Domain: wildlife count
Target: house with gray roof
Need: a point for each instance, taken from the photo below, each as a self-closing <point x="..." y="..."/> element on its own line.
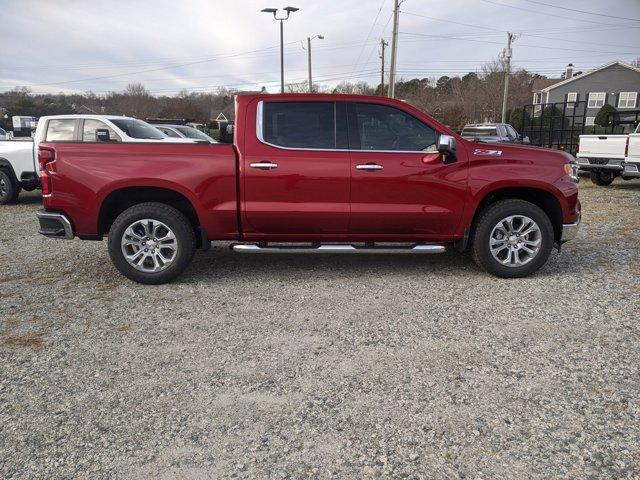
<point x="616" y="83"/>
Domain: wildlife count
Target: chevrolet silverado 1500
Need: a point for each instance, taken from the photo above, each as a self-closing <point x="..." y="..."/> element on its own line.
<point x="313" y="173"/>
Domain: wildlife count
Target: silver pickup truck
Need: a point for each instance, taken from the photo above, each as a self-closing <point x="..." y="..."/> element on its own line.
<point x="606" y="157"/>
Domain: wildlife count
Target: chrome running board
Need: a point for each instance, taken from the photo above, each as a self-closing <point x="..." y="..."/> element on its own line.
<point x="335" y="248"/>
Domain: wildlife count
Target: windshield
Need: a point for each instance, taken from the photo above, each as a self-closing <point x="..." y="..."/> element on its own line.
<point x="190" y="132"/>
<point x="480" y="131"/>
<point x="138" y="129"/>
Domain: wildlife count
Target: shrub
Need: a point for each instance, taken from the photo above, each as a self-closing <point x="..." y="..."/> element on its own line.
<point x="601" y="116"/>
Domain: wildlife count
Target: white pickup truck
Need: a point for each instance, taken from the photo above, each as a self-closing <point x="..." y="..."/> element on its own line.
<point x="19" y="168"/>
<point x="607" y="156"/>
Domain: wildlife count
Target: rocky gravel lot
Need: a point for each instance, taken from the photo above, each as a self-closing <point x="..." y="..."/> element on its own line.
<point x="323" y="366"/>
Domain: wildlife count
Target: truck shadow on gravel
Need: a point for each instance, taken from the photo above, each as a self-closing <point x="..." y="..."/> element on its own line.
<point x="222" y="264"/>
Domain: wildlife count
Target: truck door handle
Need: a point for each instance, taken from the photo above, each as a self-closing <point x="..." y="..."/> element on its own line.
<point x="264" y="165"/>
<point x="369" y="166"/>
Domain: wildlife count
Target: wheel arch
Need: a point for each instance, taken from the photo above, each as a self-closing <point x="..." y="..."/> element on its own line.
<point x="122" y="198"/>
<point x="7" y="167"/>
<point x="538" y="196"/>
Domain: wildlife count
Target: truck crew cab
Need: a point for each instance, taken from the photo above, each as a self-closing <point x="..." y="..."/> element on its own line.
<point x="313" y="172"/>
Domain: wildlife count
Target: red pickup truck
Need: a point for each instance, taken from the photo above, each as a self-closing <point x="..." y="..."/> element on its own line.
<point x="312" y="173"/>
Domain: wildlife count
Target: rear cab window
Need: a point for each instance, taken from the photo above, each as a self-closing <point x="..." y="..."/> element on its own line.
<point x="61" y="130"/>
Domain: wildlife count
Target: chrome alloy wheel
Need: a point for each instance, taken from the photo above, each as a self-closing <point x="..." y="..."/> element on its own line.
<point x="3" y="187"/>
<point x="515" y="240"/>
<point x="149" y="245"/>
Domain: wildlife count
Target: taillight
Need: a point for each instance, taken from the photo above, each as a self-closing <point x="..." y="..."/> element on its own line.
<point x="46" y="157"/>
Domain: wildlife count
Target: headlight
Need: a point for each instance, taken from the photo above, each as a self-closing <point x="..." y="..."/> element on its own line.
<point x="571" y="169"/>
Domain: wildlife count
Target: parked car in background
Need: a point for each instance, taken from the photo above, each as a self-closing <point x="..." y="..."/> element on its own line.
<point x="313" y="173"/>
<point x="18" y="158"/>
<point x="606" y="157"/>
<point x="197" y="126"/>
<point x="492" y="132"/>
<point x="184" y="131"/>
<point x="3" y="134"/>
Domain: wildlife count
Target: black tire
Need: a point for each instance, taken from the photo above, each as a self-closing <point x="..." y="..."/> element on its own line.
<point x="9" y="189"/>
<point x="602" y="178"/>
<point x="485" y="224"/>
<point x="174" y="220"/>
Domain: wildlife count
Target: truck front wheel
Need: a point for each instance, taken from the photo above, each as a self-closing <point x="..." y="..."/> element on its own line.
<point x="512" y="238"/>
<point x="151" y="243"/>
<point x="9" y="190"/>
<point x="602" y="178"/>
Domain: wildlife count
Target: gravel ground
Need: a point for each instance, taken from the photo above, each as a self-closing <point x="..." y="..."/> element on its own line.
<point x="322" y="366"/>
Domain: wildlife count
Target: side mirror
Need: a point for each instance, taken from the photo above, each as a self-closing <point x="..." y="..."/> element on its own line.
<point x="102" y="135"/>
<point x="447" y="146"/>
<point x="526" y="141"/>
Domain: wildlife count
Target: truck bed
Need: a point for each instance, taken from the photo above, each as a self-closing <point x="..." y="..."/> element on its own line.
<point x="88" y="173"/>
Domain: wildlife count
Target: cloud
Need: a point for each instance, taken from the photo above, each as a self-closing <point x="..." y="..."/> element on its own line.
<point x="198" y="45"/>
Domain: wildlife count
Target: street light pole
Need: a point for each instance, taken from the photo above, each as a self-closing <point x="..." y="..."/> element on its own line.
<point x="274" y="11"/>
<point x="320" y="37"/>
<point x="281" y="56"/>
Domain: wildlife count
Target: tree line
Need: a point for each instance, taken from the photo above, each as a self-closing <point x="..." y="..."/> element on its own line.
<point x="453" y="100"/>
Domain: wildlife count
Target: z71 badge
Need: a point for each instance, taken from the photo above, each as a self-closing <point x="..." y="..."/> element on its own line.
<point x="482" y="151"/>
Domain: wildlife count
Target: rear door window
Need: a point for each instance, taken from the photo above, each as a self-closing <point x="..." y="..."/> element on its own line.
<point x="89" y="131"/>
<point x="300" y="124"/>
<point x="62" y="130"/>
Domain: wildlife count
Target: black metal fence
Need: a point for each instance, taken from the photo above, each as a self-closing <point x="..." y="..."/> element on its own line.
<point x="559" y="125"/>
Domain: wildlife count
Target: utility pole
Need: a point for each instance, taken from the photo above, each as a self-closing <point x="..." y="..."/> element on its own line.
<point x="309" y="59"/>
<point x="507" y="54"/>
<point x="394" y="49"/>
<point x="382" y="45"/>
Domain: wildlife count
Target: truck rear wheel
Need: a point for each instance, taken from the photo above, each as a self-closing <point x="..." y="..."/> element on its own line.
<point x="602" y="178"/>
<point x="151" y="243"/>
<point x="9" y="190"/>
<point x="512" y="238"/>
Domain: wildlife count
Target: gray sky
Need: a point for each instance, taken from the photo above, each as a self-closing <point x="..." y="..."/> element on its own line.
<point x="62" y="45"/>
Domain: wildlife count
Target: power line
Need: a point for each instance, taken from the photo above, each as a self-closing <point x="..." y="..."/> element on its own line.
<point x="545" y="14"/>
<point x="167" y="67"/>
<point x="451" y="21"/>
<point x="522" y="45"/>
<point x="366" y="40"/>
<point x="582" y="11"/>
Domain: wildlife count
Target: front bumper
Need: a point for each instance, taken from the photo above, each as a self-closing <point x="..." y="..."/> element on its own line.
<point x="570" y="231"/>
<point x="592" y="164"/>
<point x="55" y="225"/>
